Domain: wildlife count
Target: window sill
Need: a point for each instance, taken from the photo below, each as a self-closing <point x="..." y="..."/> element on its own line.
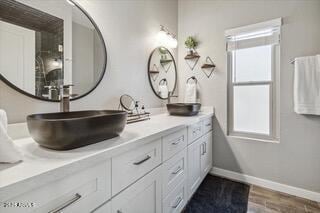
<point x="275" y="141"/>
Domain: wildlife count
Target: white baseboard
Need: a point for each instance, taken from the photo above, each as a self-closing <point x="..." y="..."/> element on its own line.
<point x="267" y="184"/>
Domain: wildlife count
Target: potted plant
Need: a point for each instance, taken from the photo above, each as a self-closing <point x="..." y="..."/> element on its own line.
<point x="191" y="43"/>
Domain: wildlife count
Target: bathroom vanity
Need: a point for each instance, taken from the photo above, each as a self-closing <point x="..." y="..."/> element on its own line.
<point x="154" y="166"/>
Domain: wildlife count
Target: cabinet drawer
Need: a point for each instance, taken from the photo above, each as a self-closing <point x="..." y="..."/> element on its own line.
<point x="81" y="192"/>
<point x="195" y="132"/>
<point x="174" y="143"/>
<point x="105" y="208"/>
<point x="207" y="125"/>
<point x="174" y="172"/>
<point x="130" y="166"/>
<point x="144" y="196"/>
<point x="176" y="200"/>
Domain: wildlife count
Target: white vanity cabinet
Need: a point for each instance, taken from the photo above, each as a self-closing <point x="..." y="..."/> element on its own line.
<point x="159" y="175"/>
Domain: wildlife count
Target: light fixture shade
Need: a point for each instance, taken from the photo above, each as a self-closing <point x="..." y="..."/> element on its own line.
<point x="165" y="39"/>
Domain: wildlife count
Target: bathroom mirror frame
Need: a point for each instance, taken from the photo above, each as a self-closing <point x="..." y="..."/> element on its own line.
<point x="175" y="70"/>
<point x="104" y="49"/>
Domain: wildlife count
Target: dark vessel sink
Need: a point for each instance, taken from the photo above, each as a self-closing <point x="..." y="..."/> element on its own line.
<point x="184" y="109"/>
<point x="69" y="130"/>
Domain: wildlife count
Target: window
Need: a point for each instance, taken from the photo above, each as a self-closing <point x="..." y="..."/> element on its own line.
<point x="253" y="70"/>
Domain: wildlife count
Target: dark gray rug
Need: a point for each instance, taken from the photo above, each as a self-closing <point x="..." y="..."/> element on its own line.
<point x="219" y="195"/>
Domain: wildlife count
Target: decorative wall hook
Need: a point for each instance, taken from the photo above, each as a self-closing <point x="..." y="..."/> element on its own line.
<point x="192" y="60"/>
<point x="154" y="72"/>
<point x="208" y="67"/>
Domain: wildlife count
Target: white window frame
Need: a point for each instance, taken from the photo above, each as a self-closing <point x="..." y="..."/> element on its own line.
<point x="273" y="97"/>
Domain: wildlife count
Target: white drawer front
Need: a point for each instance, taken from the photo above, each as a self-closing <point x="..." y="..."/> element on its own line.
<point x="82" y="192"/>
<point x="195" y="131"/>
<point x="105" y="208"/>
<point x="174" y="143"/>
<point x="207" y="125"/>
<point x="144" y="196"/>
<point x="176" y="200"/>
<point x="130" y="166"/>
<point x="174" y="172"/>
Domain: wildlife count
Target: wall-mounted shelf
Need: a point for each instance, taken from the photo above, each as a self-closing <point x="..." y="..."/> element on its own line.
<point x="166" y="64"/>
<point x="208" y="67"/>
<point x="193" y="56"/>
<point x="165" y="61"/>
<point x="154" y="72"/>
<point x="192" y="60"/>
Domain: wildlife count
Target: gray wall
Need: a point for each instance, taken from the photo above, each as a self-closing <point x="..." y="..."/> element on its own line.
<point x="296" y="159"/>
<point x="129" y="29"/>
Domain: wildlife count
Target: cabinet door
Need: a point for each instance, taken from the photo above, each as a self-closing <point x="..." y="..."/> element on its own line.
<point x="194" y="166"/>
<point x="105" y="208"/>
<point x="206" y="154"/>
<point x="144" y="196"/>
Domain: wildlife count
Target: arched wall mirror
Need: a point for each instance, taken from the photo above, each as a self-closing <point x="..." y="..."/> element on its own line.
<point x="47" y="44"/>
<point x="162" y="72"/>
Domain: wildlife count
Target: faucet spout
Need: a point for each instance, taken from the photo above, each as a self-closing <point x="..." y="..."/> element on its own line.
<point x="65" y="98"/>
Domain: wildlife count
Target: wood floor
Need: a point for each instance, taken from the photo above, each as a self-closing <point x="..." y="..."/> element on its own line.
<point x="262" y="200"/>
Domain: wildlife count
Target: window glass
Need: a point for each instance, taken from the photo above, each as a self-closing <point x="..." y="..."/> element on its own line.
<point x="252" y="64"/>
<point x="251" y="111"/>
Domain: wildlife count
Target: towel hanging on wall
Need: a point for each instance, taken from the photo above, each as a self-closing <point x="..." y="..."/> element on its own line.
<point x="191" y="90"/>
<point x="307" y="85"/>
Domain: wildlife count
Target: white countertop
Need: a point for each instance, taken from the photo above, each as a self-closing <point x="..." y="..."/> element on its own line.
<point x="41" y="166"/>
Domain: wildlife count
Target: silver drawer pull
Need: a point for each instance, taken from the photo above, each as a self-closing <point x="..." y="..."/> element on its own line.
<point x="203" y="149"/>
<point x="66" y="204"/>
<point x="179" y="200"/>
<point x="208" y="124"/>
<point x="177" y="170"/>
<point x="178" y="141"/>
<point x="143" y="160"/>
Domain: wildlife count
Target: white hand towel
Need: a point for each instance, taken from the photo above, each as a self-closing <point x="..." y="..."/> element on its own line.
<point x="8" y="151"/>
<point x="307" y="85"/>
<point x="163" y="91"/>
<point x="191" y="93"/>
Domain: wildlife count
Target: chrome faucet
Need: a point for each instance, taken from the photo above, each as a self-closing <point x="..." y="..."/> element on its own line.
<point x="170" y="95"/>
<point x="65" y="97"/>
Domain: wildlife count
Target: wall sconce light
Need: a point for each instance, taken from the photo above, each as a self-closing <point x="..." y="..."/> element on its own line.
<point x="166" y="39"/>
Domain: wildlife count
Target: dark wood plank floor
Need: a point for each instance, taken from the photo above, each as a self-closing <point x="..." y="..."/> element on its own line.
<point x="262" y="200"/>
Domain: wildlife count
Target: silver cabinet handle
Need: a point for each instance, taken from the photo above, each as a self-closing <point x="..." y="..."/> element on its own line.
<point x="177" y="170"/>
<point x="203" y="148"/>
<point x="208" y="124"/>
<point x="179" y="200"/>
<point x="118" y="211"/>
<point x="66" y="204"/>
<point x="178" y="141"/>
<point x="143" y="160"/>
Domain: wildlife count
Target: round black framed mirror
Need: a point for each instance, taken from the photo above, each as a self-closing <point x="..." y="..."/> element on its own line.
<point x="48" y="44"/>
<point x="162" y="72"/>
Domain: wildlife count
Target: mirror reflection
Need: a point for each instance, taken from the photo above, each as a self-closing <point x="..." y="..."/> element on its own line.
<point x="47" y="44"/>
<point x="162" y="72"/>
